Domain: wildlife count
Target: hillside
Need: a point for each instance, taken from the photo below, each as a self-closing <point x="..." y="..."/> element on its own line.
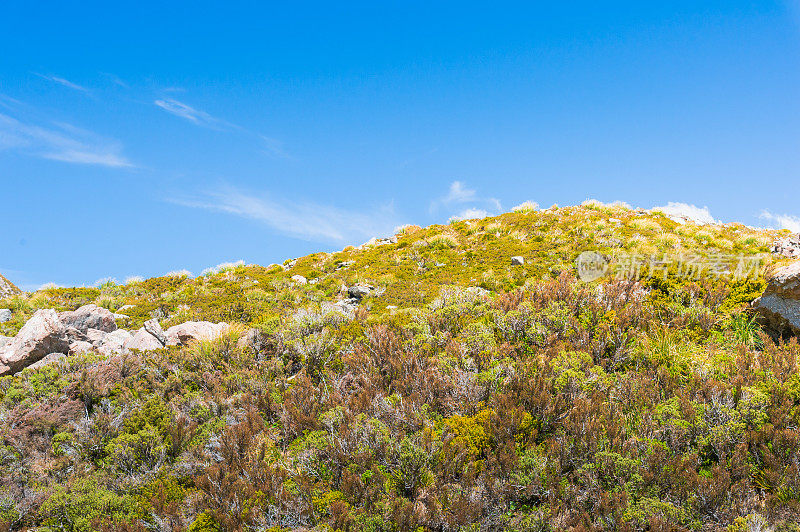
<point x="479" y="375"/>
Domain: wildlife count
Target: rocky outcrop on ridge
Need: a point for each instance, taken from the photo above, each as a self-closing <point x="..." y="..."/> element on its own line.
<point x="48" y="335"/>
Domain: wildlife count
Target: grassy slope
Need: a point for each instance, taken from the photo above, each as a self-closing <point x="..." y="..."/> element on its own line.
<point x="549" y="404"/>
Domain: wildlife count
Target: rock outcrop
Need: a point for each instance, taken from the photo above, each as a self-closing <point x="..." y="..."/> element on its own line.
<point x="50" y="335"/>
<point x="89" y="317"/>
<point x="43" y="334"/>
<point x="7" y="288"/>
<point x="788" y="247"/>
<point x="780" y="303"/>
<point x="5" y="315"/>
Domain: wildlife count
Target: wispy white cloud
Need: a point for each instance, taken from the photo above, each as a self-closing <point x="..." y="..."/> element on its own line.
<point x="783" y="221"/>
<point x="269" y="145"/>
<point x="685" y="210"/>
<point x="64" y="82"/>
<point x="469" y="214"/>
<point x="459" y="194"/>
<point x="304" y="220"/>
<point x="60" y="142"/>
<point x="196" y="116"/>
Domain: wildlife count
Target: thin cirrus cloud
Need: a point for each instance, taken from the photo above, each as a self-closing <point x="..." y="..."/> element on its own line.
<point x="60" y="142"/>
<point x="782" y="221"/>
<point x="304" y="220"/>
<point x="187" y="112"/>
<point x="64" y="82"/>
<point x="270" y="146"/>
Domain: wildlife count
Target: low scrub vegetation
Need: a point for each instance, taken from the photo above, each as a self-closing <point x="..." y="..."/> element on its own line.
<point x="489" y="397"/>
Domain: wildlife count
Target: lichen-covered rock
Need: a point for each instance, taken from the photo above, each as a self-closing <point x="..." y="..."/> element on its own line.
<point x="42" y="334"/>
<point x="780" y="304"/>
<point x="5" y="315"/>
<point x="154" y="328"/>
<point x="89" y="317"/>
<point x="194" y="330"/>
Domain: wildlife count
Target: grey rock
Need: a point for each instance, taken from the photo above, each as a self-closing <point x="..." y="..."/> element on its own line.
<point x="4" y="340"/>
<point x="780" y="304"/>
<point x="153" y="327"/>
<point x="5" y="315"/>
<point x="299" y="279"/>
<point x="89" y="317"/>
<point x="42" y="334"/>
<point x="517" y="261"/>
<point x="359" y="291"/>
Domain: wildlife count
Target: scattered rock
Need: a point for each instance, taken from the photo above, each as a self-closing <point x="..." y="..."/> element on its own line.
<point x="125" y="307"/>
<point x="345" y="264"/>
<point x="299" y="279"/>
<point x="517" y="261"/>
<point x="5" y="315"/>
<point x="788" y="247"/>
<point x="359" y="291"/>
<point x="154" y="328"/>
<point x="780" y="304"/>
<point x="89" y="317"/>
<point x="42" y="334"/>
<point x="194" y="330"/>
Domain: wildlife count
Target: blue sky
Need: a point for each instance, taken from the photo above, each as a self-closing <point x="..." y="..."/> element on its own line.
<point x="144" y="138"/>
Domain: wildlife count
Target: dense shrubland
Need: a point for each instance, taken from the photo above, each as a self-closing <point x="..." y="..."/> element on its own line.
<point x="539" y="403"/>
